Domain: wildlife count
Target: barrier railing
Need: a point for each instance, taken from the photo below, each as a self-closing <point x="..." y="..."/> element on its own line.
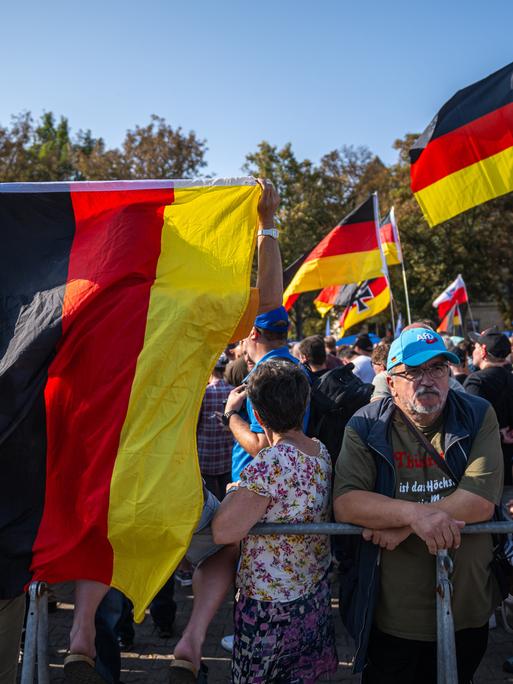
<point x="36" y="634"/>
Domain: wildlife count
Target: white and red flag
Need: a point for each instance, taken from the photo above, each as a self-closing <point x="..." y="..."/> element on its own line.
<point x="455" y="294"/>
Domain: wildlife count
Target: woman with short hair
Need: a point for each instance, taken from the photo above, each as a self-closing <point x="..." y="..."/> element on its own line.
<point x="283" y="624"/>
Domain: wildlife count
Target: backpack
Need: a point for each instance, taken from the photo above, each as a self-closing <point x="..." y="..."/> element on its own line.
<point x="334" y="397"/>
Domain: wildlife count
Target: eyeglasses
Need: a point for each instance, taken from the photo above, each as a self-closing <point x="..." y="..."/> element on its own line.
<point x="435" y="372"/>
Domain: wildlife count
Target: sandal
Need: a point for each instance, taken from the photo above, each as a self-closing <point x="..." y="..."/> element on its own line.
<point x="79" y="669"/>
<point x="184" y="672"/>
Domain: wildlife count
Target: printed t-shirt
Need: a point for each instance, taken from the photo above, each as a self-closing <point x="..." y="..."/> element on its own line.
<point x="285" y="567"/>
<point x="240" y="457"/>
<point x="407" y="606"/>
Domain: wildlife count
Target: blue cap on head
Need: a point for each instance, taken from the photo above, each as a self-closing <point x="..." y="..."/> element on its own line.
<point x="415" y="346"/>
<point x="276" y="320"/>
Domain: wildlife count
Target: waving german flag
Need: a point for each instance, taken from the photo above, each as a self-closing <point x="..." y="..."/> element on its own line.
<point x="390" y="242"/>
<point x="117" y="299"/>
<point x="465" y="155"/>
<point x="350" y="253"/>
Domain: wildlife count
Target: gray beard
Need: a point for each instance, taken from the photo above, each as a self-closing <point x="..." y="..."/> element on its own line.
<point x="416" y="407"/>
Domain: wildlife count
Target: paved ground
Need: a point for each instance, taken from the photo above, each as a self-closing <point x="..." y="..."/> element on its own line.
<point x="149" y="660"/>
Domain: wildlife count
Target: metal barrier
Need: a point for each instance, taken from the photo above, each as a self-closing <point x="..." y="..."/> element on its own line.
<point x="447" y="672"/>
<point x="36" y="634"/>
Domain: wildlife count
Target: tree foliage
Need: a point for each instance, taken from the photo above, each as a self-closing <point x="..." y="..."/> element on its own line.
<point x="314" y="198"/>
<point x="46" y="151"/>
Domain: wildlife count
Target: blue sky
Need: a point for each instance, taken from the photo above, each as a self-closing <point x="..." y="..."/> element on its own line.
<point x="318" y="75"/>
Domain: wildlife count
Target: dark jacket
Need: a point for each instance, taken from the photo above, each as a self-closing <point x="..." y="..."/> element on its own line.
<point x="359" y="587"/>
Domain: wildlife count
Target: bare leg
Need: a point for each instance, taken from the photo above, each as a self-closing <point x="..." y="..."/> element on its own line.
<point x="88" y="595"/>
<point x="210" y="583"/>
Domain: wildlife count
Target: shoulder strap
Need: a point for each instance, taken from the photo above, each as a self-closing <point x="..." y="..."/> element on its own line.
<point x="424" y="442"/>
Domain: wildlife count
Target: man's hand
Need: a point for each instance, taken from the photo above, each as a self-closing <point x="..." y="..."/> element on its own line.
<point x="269" y="202"/>
<point x="235" y="399"/>
<point x="388" y="539"/>
<point x="437" y="529"/>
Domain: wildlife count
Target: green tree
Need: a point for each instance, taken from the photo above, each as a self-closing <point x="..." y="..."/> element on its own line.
<point x="159" y="151"/>
<point x="314" y="198"/>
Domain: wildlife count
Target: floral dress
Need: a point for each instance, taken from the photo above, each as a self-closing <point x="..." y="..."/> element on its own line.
<point x="283" y="624"/>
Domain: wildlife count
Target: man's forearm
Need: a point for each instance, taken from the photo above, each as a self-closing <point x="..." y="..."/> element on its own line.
<point x="379" y="512"/>
<point x="466" y="506"/>
<point x="250" y="441"/>
<point x="270" y="274"/>
<point x="373" y="510"/>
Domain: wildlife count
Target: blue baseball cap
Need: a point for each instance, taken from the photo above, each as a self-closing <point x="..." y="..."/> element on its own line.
<point x="276" y="320"/>
<point x="415" y="346"/>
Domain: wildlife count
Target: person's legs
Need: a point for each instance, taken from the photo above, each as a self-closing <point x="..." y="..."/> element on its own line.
<point x="12" y="613"/>
<point x="163" y="609"/>
<point x="210" y="583"/>
<point x="470" y="648"/>
<point x="213" y="576"/>
<point x="88" y="595"/>
<point x="108" y="615"/>
<point x="391" y="660"/>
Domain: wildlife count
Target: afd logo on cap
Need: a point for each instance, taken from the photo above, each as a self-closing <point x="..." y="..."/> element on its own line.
<point x="428" y="338"/>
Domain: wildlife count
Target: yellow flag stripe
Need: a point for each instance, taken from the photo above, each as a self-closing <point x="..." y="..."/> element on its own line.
<point x="335" y="270"/>
<point x="380" y="302"/>
<point x="200" y="293"/>
<point x="464" y="189"/>
<point x="391" y="253"/>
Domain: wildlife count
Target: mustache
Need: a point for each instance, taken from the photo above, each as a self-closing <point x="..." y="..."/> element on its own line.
<point x="427" y="390"/>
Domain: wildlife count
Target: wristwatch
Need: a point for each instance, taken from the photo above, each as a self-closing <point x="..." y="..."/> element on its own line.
<point x="269" y="232"/>
<point x="226" y="417"/>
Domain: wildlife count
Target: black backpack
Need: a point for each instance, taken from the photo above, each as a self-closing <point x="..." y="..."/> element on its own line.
<point x="334" y="397"/>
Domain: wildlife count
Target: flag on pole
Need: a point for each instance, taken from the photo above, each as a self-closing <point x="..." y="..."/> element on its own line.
<point x="350" y="253"/>
<point x="328" y="298"/>
<point x="451" y="321"/>
<point x="456" y="293"/>
<point x="363" y="300"/>
<point x="390" y="242"/>
<point x="117" y="300"/>
<point x="465" y="155"/>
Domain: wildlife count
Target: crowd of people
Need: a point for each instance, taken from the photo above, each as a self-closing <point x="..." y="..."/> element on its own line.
<point x="427" y="453"/>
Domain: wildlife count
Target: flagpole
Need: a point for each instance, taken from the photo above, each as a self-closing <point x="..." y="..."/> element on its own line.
<point x="471" y="315"/>
<point x="391" y="304"/>
<point x="408" y="313"/>
<point x="395" y="227"/>
<point x="383" y="259"/>
<point x="469" y="309"/>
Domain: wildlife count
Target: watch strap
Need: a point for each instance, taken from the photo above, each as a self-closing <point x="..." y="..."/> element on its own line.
<point x="226" y="417"/>
<point x="269" y="232"/>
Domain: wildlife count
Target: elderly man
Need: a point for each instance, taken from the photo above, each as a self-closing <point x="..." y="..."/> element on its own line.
<point x="413" y="469"/>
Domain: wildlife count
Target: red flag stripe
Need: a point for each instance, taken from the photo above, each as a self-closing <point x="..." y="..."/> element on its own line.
<point x="102" y="263"/>
<point x="345" y="239"/>
<point x="387" y="233"/>
<point x="477" y="140"/>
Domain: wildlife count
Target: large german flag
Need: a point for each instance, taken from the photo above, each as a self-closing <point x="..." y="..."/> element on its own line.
<point x="349" y="253"/>
<point x="465" y="155"/>
<point x="116" y="300"/>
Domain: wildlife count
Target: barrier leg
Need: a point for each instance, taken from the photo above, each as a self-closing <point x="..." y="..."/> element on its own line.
<point x="43" y="673"/>
<point x="36" y="636"/>
<point x="446" y="644"/>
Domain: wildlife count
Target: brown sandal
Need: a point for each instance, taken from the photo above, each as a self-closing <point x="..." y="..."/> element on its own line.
<point x="182" y="672"/>
<point x="79" y="669"/>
